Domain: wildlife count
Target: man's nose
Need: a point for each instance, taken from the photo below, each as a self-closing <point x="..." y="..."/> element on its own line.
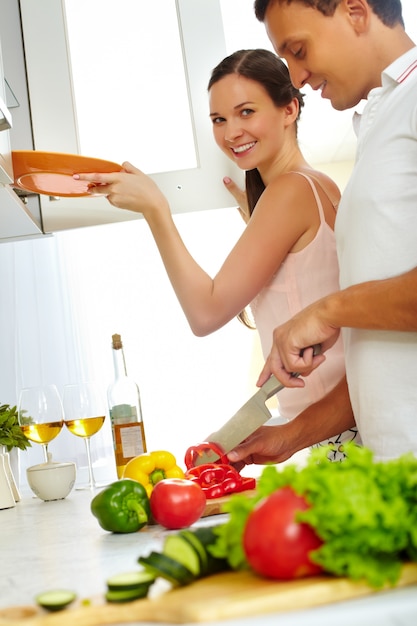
<point x="299" y="76"/>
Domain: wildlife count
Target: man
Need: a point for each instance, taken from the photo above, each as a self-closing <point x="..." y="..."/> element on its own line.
<point x="353" y="50"/>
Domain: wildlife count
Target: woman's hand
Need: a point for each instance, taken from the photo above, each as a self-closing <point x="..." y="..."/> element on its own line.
<point x="130" y="189"/>
<point x="240" y="197"/>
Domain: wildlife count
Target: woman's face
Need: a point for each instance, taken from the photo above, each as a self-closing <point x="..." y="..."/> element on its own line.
<point x="247" y="126"/>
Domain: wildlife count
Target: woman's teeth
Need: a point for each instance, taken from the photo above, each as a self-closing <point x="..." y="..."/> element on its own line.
<point x="243" y="148"/>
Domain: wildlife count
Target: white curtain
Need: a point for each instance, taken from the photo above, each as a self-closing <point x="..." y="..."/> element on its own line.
<point x="39" y="338"/>
<point x="63" y="296"/>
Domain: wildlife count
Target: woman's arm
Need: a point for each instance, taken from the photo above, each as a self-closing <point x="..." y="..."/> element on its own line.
<point x="272" y="231"/>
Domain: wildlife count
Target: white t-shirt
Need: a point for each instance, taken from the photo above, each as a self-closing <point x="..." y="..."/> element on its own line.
<point x="376" y="232"/>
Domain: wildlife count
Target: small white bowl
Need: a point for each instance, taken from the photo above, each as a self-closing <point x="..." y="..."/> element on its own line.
<point x="51" y="481"/>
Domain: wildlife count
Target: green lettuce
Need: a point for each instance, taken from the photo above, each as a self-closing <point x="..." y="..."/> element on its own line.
<point x="364" y="511"/>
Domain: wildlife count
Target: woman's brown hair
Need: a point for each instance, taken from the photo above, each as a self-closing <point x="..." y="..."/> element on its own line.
<point x="267" y="69"/>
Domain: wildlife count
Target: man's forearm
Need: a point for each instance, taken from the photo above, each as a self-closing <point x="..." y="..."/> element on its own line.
<point x="389" y="304"/>
<point x="325" y="419"/>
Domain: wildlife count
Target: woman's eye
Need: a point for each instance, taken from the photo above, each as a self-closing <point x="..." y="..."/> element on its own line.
<point x="217" y="120"/>
<point x="246" y="112"/>
<point x="297" y="52"/>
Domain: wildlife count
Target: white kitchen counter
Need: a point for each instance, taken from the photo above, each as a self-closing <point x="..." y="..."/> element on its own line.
<point x="46" y="545"/>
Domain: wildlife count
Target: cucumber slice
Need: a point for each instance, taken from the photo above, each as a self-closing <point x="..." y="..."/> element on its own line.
<point x="130" y="580"/>
<point x="126" y="595"/>
<point x="208" y="537"/>
<point x="163" y="566"/>
<point x="199" y="548"/>
<point x="181" y="550"/>
<point x="55" y="600"/>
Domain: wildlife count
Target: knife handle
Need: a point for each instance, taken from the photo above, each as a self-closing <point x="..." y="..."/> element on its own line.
<point x="271" y="387"/>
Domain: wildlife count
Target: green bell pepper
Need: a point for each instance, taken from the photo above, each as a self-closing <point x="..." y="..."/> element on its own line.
<point x="122" y="507"/>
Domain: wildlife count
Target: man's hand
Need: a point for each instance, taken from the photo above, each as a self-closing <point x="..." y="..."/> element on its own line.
<point x="291" y="349"/>
<point x="265" y="445"/>
<point x="388" y="304"/>
<point x="324" y="419"/>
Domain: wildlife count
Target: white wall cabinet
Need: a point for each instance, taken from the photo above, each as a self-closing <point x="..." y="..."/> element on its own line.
<point x="16" y="220"/>
<point x="44" y="76"/>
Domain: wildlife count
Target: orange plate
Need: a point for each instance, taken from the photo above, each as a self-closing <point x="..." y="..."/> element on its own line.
<point x="51" y="173"/>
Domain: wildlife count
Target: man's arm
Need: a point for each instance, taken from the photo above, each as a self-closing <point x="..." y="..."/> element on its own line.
<point x="274" y="444"/>
<point x="389" y="304"/>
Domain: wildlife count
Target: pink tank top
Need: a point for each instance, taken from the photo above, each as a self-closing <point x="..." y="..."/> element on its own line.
<point x="303" y="277"/>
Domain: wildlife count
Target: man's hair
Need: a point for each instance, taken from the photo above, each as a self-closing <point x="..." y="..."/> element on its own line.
<point x="388" y="11"/>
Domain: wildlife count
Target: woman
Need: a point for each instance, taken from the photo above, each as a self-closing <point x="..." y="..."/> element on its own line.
<point x="286" y="256"/>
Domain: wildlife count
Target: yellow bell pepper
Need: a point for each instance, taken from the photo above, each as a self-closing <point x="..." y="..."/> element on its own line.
<point x="151" y="467"/>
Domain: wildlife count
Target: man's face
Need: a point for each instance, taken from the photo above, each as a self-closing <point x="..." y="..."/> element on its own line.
<point x="326" y="52"/>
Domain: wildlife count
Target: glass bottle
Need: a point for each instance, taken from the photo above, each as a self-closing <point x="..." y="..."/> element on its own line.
<point x="125" y="411"/>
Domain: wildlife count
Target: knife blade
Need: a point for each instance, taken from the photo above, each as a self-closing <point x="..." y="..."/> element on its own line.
<point x="253" y="414"/>
<point x="244" y="422"/>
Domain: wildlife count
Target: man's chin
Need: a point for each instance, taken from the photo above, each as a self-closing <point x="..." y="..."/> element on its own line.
<point x="341" y="104"/>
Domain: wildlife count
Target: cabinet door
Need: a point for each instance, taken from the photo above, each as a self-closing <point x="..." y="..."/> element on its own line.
<point x="113" y="83"/>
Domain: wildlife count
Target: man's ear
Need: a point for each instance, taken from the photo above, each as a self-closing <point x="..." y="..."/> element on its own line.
<point x="358" y="12"/>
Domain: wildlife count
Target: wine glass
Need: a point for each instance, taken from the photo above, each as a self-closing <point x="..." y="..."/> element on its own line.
<point x="84" y="415"/>
<point x="40" y="414"/>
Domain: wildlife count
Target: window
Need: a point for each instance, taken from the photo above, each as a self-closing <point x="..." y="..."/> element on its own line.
<point x="129" y="83"/>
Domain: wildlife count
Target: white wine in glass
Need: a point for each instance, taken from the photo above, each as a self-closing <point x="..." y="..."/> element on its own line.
<point x="40" y="414"/>
<point x="84" y="415"/>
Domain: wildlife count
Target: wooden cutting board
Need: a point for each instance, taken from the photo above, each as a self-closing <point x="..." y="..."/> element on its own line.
<point x="215" y="506"/>
<point x="219" y="597"/>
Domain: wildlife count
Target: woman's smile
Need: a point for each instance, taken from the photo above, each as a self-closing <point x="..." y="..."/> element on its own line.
<point x="243" y="150"/>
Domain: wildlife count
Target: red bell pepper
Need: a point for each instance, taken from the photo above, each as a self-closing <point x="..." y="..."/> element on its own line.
<point x="194" y="452"/>
<point x="219" y="479"/>
<point x="216" y="479"/>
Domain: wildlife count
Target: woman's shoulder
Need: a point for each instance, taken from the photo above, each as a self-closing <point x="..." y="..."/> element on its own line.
<point x="305" y="178"/>
<point x="326" y="183"/>
<point x="297" y="182"/>
<point x="284" y="191"/>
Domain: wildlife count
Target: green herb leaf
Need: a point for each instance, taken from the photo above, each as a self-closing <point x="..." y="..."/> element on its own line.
<point x="11" y="434"/>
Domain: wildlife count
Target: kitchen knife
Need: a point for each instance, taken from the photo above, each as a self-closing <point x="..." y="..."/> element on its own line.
<point x="248" y="418"/>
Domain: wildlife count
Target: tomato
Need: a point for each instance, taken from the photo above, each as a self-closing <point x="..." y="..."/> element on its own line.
<point x="275" y="544"/>
<point x="177" y="502"/>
